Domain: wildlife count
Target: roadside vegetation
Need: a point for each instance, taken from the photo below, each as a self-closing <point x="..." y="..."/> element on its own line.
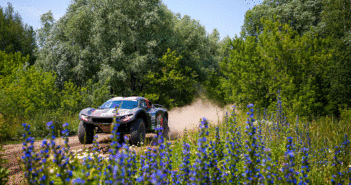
<point x="298" y="51"/>
<point x="251" y="147"/>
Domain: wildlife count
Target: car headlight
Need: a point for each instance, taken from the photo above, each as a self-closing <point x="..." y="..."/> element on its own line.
<point x="84" y="117"/>
<point x="127" y="117"/>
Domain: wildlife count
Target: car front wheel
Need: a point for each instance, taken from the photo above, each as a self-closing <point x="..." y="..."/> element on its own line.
<point x="137" y="131"/>
<point x="85" y="133"/>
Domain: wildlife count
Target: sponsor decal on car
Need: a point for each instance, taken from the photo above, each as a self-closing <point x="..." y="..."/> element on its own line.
<point x="153" y="119"/>
<point x="159" y="121"/>
<point x="153" y="116"/>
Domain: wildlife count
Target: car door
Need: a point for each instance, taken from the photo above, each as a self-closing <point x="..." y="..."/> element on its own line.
<point x="153" y="114"/>
<point x="149" y="114"/>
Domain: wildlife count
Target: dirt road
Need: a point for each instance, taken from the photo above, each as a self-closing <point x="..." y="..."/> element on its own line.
<point x="14" y="152"/>
<point x="179" y="118"/>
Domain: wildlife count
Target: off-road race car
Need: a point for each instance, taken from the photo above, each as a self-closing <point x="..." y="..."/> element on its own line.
<point x="137" y="116"/>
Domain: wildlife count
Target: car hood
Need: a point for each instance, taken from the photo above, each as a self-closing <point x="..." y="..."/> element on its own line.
<point x="106" y="112"/>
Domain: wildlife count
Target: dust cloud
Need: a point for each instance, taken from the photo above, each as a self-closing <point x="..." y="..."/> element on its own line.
<point x="188" y="117"/>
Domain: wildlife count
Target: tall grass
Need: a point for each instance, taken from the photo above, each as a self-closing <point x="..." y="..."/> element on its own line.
<point x="11" y="131"/>
<point x="250" y="147"/>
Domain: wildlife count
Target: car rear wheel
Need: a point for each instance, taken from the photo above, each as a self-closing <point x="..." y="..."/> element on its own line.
<point x="121" y="138"/>
<point x="137" y="131"/>
<point x="85" y="133"/>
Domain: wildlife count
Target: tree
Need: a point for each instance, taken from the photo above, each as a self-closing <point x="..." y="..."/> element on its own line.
<point x="315" y="23"/>
<point x="47" y="21"/>
<point x="336" y="23"/>
<point x="246" y="78"/>
<point x="299" y="14"/>
<point x="103" y="40"/>
<point x="214" y="84"/>
<point x="299" y="65"/>
<point x="172" y="85"/>
<point x="14" y="36"/>
<point x="120" y="42"/>
<point x="192" y="44"/>
<point x="279" y="60"/>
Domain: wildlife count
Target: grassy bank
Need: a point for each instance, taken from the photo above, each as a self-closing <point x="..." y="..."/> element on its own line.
<point x="12" y="131"/>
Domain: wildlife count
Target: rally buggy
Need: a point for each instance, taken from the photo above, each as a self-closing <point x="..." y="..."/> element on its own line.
<point x="136" y="115"/>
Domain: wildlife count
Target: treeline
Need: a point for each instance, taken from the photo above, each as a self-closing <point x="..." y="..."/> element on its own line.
<point x="301" y="48"/>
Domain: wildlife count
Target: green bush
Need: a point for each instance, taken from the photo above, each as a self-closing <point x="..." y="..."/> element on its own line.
<point x="214" y="88"/>
<point x="31" y="90"/>
<point x="72" y="98"/>
<point x="30" y="95"/>
<point x="10" y="62"/>
<point x="39" y="120"/>
<point x="172" y="84"/>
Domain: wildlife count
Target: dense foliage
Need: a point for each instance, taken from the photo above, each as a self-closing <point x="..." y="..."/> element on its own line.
<point x="299" y="47"/>
<point x="121" y="42"/>
<point x="281" y="59"/>
<point x="16" y="36"/>
<point x="300" y="15"/>
<point x="177" y="82"/>
<point x="260" y="151"/>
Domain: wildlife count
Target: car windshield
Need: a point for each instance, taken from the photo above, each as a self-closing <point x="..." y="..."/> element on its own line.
<point x="116" y="103"/>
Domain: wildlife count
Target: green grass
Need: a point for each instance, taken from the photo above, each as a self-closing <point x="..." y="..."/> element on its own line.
<point x="13" y="129"/>
<point x="191" y="137"/>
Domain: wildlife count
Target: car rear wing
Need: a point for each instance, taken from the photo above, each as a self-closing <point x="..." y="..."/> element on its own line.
<point x="158" y="105"/>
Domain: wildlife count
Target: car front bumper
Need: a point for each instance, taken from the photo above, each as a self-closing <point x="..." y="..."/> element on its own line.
<point x="106" y="127"/>
<point x="104" y="123"/>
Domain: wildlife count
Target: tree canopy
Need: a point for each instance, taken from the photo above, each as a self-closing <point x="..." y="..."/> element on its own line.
<point x="121" y="42"/>
<point x="14" y="35"/>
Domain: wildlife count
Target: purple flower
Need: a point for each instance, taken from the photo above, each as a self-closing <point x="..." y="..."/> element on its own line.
<point x="140" y="179"/>
<point x="290" y="154"/>
<point x="267" y="150"/>
<point x="65" y="125"/>
<point x="78" y="181"/>
<point x="49" y="124"/>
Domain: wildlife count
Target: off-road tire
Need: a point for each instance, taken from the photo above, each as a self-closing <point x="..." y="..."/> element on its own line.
<point x="137" y="131"/>
<point x="85" y="131"/>
<point x="121" y="138"/>
<point x="165" y="130"/>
